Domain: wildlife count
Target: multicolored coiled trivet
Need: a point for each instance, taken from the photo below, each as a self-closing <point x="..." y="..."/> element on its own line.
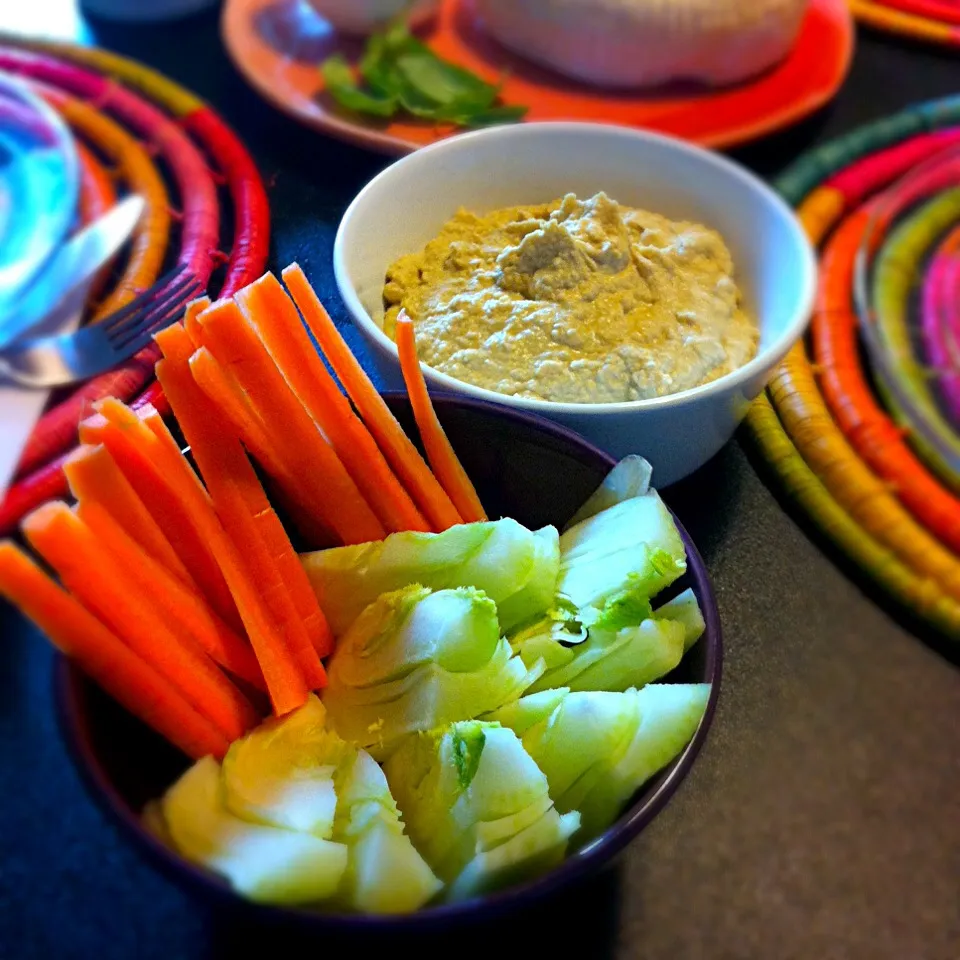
<point x="931" y="21"/>
<point x="842" y="449"/>
<point x="139" y="132"/>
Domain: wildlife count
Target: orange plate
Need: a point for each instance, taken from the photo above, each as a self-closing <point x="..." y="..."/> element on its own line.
<point x="277" y="45"/>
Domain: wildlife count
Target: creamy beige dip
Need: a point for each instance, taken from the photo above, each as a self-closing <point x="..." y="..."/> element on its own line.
<point x="581" y="301"/>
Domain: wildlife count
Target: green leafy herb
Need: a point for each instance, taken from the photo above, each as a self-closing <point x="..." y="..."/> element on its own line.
<point x="400" y="73"/>
<point x="343" y="87"/>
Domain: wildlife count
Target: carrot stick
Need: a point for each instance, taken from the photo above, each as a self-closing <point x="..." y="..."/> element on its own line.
<point x="227" y="396"/>
<point x="92" y="429"/>
<point x="414" y="474"/>
<point x="268" y="306"/>
<point x="190" y="314"/>
<point x="101" y="584"/>
<point x="160" y="486"/>
<point x="443" y="458"/>
<point x="95" y="478"/>
<point x="244" y="510"/>
<point x="154" y="422"/>
<point x="80" y="635"/>
<point x="334" y="496"/>
<point x="176" y="603"/>
<point x="285" y="684"/>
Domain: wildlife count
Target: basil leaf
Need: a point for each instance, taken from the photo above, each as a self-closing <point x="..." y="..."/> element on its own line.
<point x="491" y="116"/>
<point x="444" y="83"/>
<point x="342" y="86"/>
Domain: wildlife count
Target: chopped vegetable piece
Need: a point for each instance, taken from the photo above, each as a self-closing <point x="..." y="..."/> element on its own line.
<point x="190" y="315"/>
<point x="222" y="389"/>
<point x="281" y="774"/>
<point x="185" y="498"/>
<point x="402" y="455"/>
<point x="297" y="774"/>
<point x="105" y="658"/>
<point x="628" y="479"/>
<point x="685" y="610"/>
<point x="415" y="660"/>
<point x="670" y="714"/>
<point x="482" y="822"/>
<point x="266" y="864"/>
<point x="597" y="749"/>
<point x="335" y="497"/>
<point x="513" y="566"/>
<point x="606" y="660"/>
<point x="244" y="510"/>
<point x="94" y="477"/>
<point x="269" y="307"/>
<point x="631" y="548"/>
<point x="93" y="576"/>
<point x="173" y="495"/>
<point x="175" y="602"/>
<point x="443" y="459"/>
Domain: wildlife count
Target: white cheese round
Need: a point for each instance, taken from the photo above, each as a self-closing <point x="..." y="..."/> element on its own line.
<point x="637" y="43"/>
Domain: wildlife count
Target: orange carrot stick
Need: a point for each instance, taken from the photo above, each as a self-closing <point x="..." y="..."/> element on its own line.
<point x="335" y="497"/>
<point x="443" y="458"/>
<point x="101" y="655"/>
<point x="415" y="475"/>
<point x="244" y="510"/>
<point x="227" y="396"/>
<point x="134" y="448"/>
<point x="284" y="682"/>
<point x="268" y="306"/>
<point x="94" y="477"/>
<point x="150" y="417"/>
<point x="92" y="575"/>
<point x="92" y="429"/>
<point x="179" y="605"/>
<point x="193" y="310"/>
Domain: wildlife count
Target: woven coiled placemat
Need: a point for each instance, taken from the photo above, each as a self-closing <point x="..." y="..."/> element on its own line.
<point x="838" y="453"/>
<point x="929" y="21"/>
<point x="153" y="137"/>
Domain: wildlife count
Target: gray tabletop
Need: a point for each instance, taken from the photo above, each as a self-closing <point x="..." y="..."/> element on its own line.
<point x="822" y="819"/>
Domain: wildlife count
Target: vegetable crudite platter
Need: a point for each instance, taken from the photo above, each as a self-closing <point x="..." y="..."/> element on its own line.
<point x="279" y="46"/>
<point x="865" y="442"/>
<point x="440" y="701"/>
<point x="930" y="21"/>
<point x="139" y="133"/>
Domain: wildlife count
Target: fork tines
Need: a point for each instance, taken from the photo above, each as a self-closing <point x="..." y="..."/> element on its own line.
<point x="153" y="310"/>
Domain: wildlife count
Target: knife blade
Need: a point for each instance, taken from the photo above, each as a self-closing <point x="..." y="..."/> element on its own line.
<point x="70" y="269"/>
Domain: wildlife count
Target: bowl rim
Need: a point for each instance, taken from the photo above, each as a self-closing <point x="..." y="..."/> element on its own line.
<point x="69" y="682"/>
<point x="13" y="85"/>
<point x="767" y="357"/>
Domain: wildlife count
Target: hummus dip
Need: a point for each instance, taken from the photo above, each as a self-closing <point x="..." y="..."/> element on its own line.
<point x="577" y="301"/>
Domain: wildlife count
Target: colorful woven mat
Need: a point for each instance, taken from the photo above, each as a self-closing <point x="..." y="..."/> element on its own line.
<point x="138" y="133"/>
<point x="931" y="21"/>
<point x="841" y="450"/>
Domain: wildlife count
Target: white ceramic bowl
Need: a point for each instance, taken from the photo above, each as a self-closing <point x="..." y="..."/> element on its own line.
<point x="405" y="206"/>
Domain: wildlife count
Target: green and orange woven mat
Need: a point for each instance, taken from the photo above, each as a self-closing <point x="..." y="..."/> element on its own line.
<point x="840" y="447"/>
<point x="138" y="132"/>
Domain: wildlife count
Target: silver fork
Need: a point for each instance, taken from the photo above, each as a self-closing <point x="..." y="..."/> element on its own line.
<point x="68" y="358"/>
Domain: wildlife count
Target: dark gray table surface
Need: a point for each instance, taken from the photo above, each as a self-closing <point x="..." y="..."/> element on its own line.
<point x="822" y="820"/>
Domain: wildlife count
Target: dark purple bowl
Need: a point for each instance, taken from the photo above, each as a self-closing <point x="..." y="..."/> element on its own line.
<point x="524" y="467"/>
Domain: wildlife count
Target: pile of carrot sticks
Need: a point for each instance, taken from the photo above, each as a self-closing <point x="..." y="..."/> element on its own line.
<point x="180" y="591"/>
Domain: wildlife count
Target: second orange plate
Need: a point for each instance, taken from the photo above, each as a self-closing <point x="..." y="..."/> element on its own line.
<point x="278" y="44"/>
